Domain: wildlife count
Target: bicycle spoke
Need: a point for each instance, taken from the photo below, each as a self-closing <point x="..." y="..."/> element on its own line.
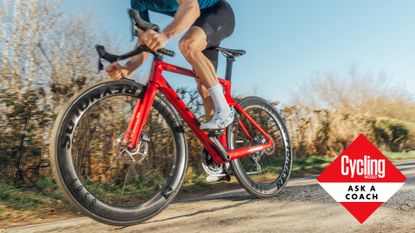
<point x="244" y="139"/>
<point x="109" y="186"/>
<point x="119" y="189"/>
<point x="125" y="181"/>
<point x="164" y="181"/>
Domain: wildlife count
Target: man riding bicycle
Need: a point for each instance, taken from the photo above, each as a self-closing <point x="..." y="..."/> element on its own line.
<point x="143" y="164"/>
<point x="209" y="22"/>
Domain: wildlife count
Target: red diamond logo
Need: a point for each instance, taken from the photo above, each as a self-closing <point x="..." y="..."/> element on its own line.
<point x="361" y="179"/>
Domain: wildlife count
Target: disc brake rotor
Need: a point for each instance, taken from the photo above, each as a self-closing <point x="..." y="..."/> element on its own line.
<point x="135" y="156"/>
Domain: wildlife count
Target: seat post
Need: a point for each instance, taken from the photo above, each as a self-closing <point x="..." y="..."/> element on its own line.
<point x="229" y="67"/>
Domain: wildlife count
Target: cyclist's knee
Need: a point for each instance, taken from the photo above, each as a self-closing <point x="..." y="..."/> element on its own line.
<point x="192" y="43"/>
<point x="188" y="46"/>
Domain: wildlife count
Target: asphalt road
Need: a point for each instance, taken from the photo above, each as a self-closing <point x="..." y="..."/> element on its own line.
<point x="302" y="207"/>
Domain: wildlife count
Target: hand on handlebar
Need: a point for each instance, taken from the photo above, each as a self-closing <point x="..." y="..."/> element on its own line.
<point x="117" y="71"/>
<point x="154" y="40"/>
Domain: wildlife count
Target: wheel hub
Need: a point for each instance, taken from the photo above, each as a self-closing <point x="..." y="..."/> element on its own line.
<point x="260" y="139"/>
<point x="135" y="156"/>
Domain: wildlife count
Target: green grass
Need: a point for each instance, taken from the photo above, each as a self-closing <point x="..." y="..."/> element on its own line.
<point x="2" y="213"/>
<point x="19" y="205"/>
<point x="316" y="164"/>
<point x="31" y="198"/>
<point x="194" y="182"/>
<point x="310" y="165"/>
<point x="400" y="155"/>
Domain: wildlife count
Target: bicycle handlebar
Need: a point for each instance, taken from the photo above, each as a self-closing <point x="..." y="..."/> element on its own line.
<point x="111" y="58"/>
<point x="138" y="22"/>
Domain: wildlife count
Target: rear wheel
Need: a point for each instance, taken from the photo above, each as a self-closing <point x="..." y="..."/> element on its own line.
<point x="103" y="180"/>
<point x="265" y="173"/>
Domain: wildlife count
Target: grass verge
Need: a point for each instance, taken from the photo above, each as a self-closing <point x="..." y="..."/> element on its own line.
<point x="315" y="164"/>
<point x="396" y="156"/>
<point x="26" y="205"/>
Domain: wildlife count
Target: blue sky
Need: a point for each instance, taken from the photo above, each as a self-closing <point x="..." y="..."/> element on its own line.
<point x="288" y="41"/>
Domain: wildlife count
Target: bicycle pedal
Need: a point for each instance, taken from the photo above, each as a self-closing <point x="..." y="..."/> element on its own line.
<point x="227" y="177"/>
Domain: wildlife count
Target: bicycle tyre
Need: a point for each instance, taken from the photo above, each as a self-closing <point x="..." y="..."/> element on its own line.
<point x="64" y="170"/>
<point x="270" y="189"/>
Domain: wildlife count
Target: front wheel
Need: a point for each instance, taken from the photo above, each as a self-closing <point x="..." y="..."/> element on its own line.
<point x="104" y="181"/>
<point x="264" y="173"/>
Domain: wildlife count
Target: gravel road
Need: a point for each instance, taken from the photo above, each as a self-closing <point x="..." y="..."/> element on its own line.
<point x="302" y="207"/>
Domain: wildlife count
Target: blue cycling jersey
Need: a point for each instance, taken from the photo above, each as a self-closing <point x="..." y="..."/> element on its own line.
<point x="168" y="7"/>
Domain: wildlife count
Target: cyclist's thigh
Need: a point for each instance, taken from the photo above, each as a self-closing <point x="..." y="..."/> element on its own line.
<point x="218" y="23"/>
<point x="194" y="39"/>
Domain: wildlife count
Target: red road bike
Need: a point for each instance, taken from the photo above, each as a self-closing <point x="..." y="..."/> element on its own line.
<point x="120" y="153"/>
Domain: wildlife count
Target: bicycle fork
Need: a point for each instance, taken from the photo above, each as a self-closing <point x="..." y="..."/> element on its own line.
<point x="139" y="117"/>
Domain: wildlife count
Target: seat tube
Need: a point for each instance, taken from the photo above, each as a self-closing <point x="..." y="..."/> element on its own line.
<point x="229" y="68"/>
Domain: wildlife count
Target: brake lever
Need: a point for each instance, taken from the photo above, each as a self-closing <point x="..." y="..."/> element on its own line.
<point x="133" y="31"/>
<point x="100" y="65"/>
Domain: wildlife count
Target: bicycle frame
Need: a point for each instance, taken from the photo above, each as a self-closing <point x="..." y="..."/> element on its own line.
<point x="158" y="82"/>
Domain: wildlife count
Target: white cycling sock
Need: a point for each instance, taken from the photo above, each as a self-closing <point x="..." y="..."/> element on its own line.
<point x="218" y="98"/>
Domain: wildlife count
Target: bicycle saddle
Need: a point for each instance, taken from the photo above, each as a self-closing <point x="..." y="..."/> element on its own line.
<point x="231" y="53"/>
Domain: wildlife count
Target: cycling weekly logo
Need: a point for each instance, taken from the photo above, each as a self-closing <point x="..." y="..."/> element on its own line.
<point x="361" y="179"/>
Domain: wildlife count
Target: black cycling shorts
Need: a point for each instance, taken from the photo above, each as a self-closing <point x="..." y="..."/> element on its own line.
<point x="218" y="22"/>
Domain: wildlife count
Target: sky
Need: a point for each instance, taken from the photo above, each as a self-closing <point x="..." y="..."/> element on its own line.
<point x="287" y="42"/>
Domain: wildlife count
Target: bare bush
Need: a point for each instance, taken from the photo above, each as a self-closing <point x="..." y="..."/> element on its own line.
<point x="331" y="110"/>
<point x="45" y="59"/>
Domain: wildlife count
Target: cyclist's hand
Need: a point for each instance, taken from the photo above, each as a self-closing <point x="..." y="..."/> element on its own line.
<point x="117" y="71"/>
<point x="154" y="40"/>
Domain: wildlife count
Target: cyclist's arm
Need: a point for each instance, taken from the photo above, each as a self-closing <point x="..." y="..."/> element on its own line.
<point x="185" y="16"/>
<point x="136" y="62"/>
<point x="139" y="59"/>
<point x="117" y="71"/>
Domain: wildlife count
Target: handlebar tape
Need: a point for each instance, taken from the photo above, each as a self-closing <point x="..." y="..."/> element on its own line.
<point x="140" y="23"/>
<point x="114" y="58"/>
<point x="167" y="52"/>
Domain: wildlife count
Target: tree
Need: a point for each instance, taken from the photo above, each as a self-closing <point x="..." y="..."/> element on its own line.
<point x="45" y="59"/>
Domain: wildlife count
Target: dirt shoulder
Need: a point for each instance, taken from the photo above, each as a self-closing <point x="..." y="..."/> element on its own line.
<point x="195" y="198"/>
<point x="303" y="206"/>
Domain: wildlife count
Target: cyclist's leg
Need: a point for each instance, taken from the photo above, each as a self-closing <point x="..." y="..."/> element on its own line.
<point x="213" y="55"/>
<point x="192" y="46"/>
<point x="207" y="100"/>
<point x="214" y="25"/>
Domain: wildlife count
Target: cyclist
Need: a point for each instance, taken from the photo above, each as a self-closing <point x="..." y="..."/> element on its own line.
<point x="209" y="22"/>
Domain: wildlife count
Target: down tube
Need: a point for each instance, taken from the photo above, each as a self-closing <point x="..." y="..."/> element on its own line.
<point x="191" y="120"/>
